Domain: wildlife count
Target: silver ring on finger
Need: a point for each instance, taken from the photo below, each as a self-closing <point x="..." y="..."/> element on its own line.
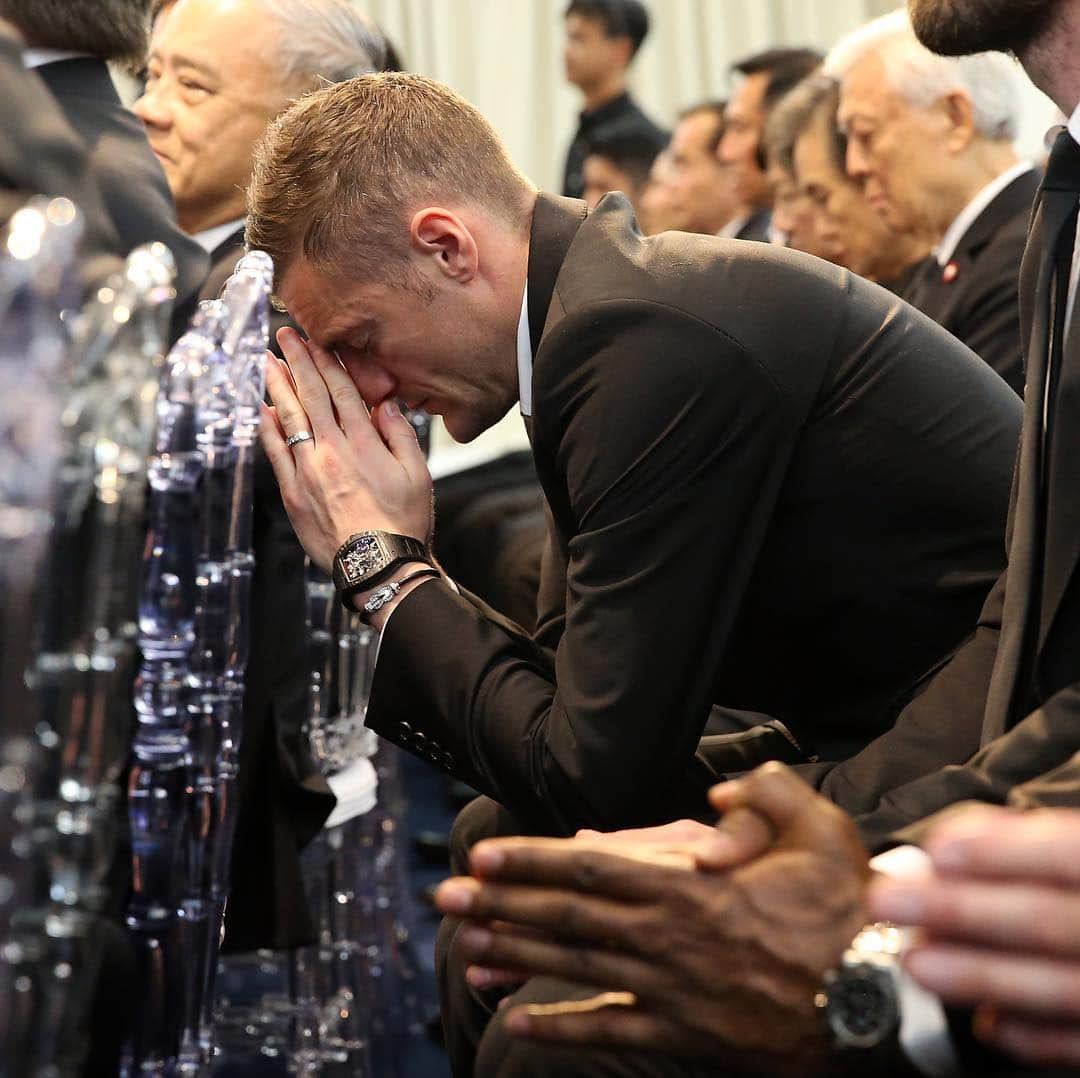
<point x="299" y="437"/>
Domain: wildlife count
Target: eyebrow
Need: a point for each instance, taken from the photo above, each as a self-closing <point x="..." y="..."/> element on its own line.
<point x="178" y="60"/>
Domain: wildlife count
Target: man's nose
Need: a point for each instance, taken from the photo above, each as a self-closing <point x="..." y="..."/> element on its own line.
<point x="855" y="161"/>
<point x="373" y="382"/>
<point x="153" y="108"/>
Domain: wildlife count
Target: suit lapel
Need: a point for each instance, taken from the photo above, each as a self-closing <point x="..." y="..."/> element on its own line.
<point x="1018" y="198"/>
<point x="554" y="226"/>
<point x="1036" y="273"/>
<point x="1063" y="500"/>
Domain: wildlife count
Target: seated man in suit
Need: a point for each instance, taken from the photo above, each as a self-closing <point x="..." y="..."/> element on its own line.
<point x="997" y="724"/>
<point x="68" y="45"/>
<point x="763" y="80"/>
<point x="701" y="189"/>
<point x="802" y="139"/>
<point x="771" y="524"/>
<point x="41" y="155"/>
<point x="965" y="186"/>
<point x="218" y="73"/>
<point x="797" y="512"/>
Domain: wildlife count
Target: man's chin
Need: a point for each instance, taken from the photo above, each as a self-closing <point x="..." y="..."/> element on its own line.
<point x="464" y="427"/>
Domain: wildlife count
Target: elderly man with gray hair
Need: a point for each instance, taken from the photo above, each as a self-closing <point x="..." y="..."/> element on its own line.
<point x="218" y="72"/>
<point x="930" y="138"/>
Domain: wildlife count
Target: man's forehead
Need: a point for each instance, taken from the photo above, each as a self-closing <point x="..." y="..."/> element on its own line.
<point x="208" y="34"/>
<point x="748" y="97"/>
<point x="864" y="88"/>
<point x="323" y="308"/>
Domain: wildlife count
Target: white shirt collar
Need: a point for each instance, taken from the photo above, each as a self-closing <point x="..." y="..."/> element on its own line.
<point x="524" y="355"/>
<point x="1074" y="124"/>
<point x="734" y="227"/>
<point x="211" y="239"/>
<point x="37" y="57"/>
<point x="971" y="212"/>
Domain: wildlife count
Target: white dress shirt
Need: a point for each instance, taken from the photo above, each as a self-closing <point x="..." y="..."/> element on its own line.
<point x="732" y="229"/>
<point x="210" y="239"/>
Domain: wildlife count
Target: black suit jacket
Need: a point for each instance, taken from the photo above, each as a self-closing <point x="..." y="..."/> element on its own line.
<point x="125" y="172"/>
<point x="975" y="296"/>
<point x="40" y="154"/>
<point x="1001" y="721"/>
<point x="283" y="799"/>
<point x="772" y="486"/>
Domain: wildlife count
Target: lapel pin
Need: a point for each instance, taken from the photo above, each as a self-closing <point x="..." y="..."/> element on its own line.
<point x="948" y="275"/>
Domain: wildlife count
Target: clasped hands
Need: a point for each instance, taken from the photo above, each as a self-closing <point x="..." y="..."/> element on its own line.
<point x="363" y="470"/>
<point x="700" y="940"/>
<point x="713" y="941"/>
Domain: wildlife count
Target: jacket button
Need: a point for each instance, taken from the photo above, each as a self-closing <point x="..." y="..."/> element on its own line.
<point x="404" y="731"/>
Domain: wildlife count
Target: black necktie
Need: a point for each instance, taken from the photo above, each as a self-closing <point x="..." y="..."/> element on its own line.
<point x="1060" y="203"/>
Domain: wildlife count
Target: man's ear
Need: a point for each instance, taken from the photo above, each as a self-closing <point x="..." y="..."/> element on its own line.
<point x="442" y="236"/>
<point x="960" y="115"/>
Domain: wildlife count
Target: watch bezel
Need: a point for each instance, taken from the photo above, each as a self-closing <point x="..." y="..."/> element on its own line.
<point x="854" y="972"/>
<point x="381" y="558"/>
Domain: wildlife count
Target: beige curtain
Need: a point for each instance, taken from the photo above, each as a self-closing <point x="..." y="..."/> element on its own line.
<point x="505" y="56"/>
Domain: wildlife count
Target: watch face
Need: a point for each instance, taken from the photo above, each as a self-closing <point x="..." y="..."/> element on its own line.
<point x="862" y="1006"/>
<point x="364" y="557"/>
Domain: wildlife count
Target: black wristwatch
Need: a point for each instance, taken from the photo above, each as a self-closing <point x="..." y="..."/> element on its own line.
<point x="367" y="558"/>
<point x="860" y="999"/>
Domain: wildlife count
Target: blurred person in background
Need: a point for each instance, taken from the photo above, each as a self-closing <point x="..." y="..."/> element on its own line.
<point x="763" y="80"/>
<point x="657" y="211"/>
<point x="930" y="138"/>
<point x="794" y="223"/>
<point x="69" y="44"/>
<point x="701" y="190"/>
<point x="619" y="163"/>
<point x="802" y="139"/>
<point x="602" y="39"/>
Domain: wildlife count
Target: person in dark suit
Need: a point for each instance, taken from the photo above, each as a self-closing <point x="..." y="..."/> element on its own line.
<point x="803" y="485"/>
<point x="602" y="39"/>
<point x="205" y="107"/>
<point x="772" y="523"/>
<point x="68" y="46"/>
<point x="41" y="155"/>
<point x="966" y="188"/>
<point x="997" y="724"/>
<point x="763" y="80"/>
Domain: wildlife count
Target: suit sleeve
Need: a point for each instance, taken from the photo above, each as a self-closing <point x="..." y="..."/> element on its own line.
<point x="1036" y="764"/>
<point x="673" y="444"/>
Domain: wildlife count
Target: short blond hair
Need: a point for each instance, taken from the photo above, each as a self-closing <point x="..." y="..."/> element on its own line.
<point x="341" y="171"/>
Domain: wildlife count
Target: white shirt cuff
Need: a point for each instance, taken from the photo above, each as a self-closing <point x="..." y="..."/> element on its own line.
<point x="355" y="788"/>
<point x="924" y="1032"/>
